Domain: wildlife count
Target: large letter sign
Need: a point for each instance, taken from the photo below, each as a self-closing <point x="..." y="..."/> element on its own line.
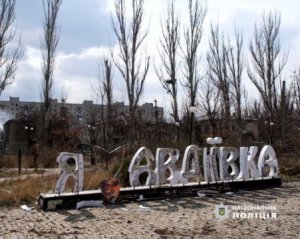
<point x="166" y="160"/>
<point x="227" y="159"/>
<point x="219" y="164"/>
<point x="190" y="164"/>
<point x="268" y="157"/>
<point x="136" y="169"/>
<point x="66" y="162"/>
<point x="247" y="163"/>
<point x="210" y="160"/>
<point x="167" y="173"/>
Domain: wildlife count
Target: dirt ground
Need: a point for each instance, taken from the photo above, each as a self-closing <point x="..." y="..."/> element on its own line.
<point x="193" y="217"/>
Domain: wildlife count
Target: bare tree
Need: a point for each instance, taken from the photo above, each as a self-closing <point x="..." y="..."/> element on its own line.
<point x="235" y="66"/>
<point x="296" y="93"/>
<point x="107" y="85"/>
<point x="49" y="45"/>
<point x="289" y="108"/>
<point x="105" y="93"/>
<point x="130" y="37"/>
<point x="210" y="104"/>
<point x="255" y="110"/>
<point x="267" y="65"/>
<point x="108" y="93"/>
<point x="217" y="69"/>
<point x="287" y="100"/>
<point x="8" y="57"/>
<point x="169" y="45"/>
<point x="105" y="89"/>
<point x="192" y="39"/>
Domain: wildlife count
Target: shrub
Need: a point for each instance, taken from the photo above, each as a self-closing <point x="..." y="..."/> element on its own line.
<point x="121" y="169"/>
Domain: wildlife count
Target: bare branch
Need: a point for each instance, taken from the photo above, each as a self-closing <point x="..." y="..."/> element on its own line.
<point x="169" y="43"/>
<point x="266" y="63"/>
<point x="50" y="41"/>
<point x="235" y="64"/>
<point x="8" y="57"/>
<point x="217" y="68"/>
<point x="192" y="36"/>
<point x="130" y="37"/>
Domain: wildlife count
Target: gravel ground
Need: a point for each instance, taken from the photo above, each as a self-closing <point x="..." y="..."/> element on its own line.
<point x="193" y="217"/>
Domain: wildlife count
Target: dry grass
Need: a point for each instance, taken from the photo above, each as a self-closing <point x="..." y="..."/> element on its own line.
<point x="11" y="161"/>
<point x="16" y="192"/>
<point x="92" y="179"/>
<point x="21" y="191"/>
<point x="7" y="173"/>
<point x="289" y="165"/>
<point x="47" y="159"/>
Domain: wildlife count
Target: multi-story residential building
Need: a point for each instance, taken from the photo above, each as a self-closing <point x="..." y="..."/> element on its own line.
<point x="81" y="112"/>
<point x="84" y="115"/>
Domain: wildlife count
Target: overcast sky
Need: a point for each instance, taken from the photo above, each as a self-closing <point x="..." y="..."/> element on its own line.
<point x="86" y="34"/>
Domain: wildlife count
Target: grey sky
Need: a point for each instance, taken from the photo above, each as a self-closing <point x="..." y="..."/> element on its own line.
<point x="86" y="34"/>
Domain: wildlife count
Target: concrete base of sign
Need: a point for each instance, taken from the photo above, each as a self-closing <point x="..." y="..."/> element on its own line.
<point x="69" y="200"/>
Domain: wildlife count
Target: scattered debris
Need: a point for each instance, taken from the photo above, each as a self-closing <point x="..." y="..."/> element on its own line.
<point x="206" y="193"/>
<point x="143" y="208"/>
<point x="110" y="189"/>
<point x="26" y="208"/>
<point x="229" y="194"/>
<point x="91" y="203"/>
<point x="141" y="197"/>
<point x="201" y="194"/>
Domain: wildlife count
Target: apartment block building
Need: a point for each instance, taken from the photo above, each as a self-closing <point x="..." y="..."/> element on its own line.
<point x="17" y="136"/>
<point x="81" y="112"/>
